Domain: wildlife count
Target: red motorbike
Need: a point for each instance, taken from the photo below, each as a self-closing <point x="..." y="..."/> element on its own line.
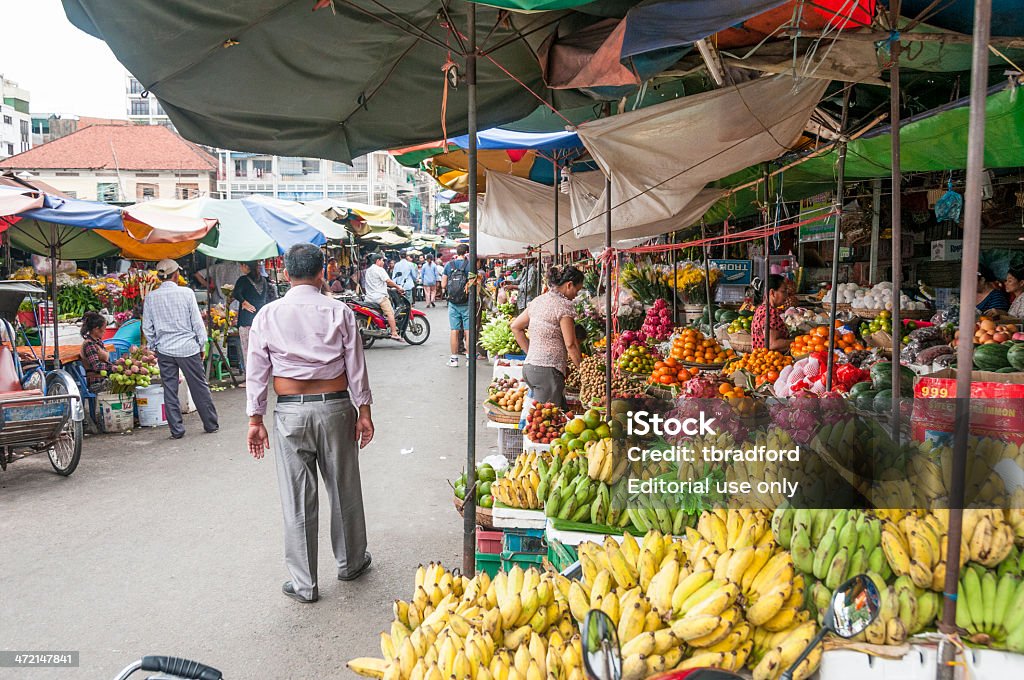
<point x="412" y="323"/>
<point x="854" y="606"/>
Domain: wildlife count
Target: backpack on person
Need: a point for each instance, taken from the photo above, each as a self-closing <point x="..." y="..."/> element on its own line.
<point x="458" y="283"/>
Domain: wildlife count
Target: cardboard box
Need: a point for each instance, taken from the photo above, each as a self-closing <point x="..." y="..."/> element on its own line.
<point x="997" y="405"/>
<point x="947" y="250"/>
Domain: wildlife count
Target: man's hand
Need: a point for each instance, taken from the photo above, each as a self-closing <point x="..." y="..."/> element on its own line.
<point x="364" y="429"/>
<point x="259" y="440"/>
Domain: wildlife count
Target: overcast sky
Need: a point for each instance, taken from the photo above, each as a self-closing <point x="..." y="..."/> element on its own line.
<point x="65" y="70"/>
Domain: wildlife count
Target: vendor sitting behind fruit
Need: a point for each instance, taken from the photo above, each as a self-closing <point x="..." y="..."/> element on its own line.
<point x="95" y="357"/>
<point x="552" y="341"/>
<point x="991" y="298"/>
<point x="774" y="327"/>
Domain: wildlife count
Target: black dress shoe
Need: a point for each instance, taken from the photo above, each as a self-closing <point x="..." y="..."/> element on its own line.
<point x="359" y="572"/>
<point x="213" y="431"/>
<point x="289" y="589"/>
<point x="177" y="436"/>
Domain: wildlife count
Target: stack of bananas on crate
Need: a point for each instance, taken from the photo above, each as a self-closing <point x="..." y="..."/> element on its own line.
<point x="517" y="488"/>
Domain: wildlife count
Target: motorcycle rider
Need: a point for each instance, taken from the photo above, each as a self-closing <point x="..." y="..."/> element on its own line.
<point x="376" y="284"/>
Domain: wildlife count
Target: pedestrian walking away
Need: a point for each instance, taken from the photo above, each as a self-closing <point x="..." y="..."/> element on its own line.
<point x="376" y="286"/>
<point x="430" y="275"/>
<point x="310" y="345"/>
<point x="252" y="291"/>
<point x="405" y="274"/>
<point x="174" y="329"/>
<point x="455" y="281"/>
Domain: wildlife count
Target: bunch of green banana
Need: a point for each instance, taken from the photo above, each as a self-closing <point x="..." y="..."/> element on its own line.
<point x="570" y="494"/>
<point x="520" y="485"/>
<point x="606" y="461"/>
<point x="830" y="545"/>
<point x="659" y="512"/>
<point x="649" y="469"/>
<point x="991" y="608"/>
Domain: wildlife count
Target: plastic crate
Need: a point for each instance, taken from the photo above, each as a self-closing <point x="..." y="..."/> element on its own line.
<point x="487" y="563"/>
<point x="560" y="555"/>
<point x="488" y="542"/>
<point x="510" y="443"/>
<point x="524" y="560"/>
<point x="529" y="541"/>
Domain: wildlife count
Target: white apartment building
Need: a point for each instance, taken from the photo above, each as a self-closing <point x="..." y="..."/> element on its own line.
<point x="15" y="119"/>
<point x="376" y="178"/>
<point x="141" y="107"/>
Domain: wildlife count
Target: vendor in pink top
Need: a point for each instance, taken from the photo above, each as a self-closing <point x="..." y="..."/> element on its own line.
<point x="552" y="343"/>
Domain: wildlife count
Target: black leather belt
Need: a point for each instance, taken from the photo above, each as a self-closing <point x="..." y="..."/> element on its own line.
<point x="303" y="398"/>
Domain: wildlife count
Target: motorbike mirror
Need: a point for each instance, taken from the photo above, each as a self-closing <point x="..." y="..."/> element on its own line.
<point x="601" y="656"/>
<point x="854" y="606"/>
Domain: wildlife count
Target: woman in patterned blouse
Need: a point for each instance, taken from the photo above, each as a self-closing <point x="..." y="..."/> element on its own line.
<point x="552" y="341"/>
<point x="95" y="357"/>
<point x="778" y="335"/>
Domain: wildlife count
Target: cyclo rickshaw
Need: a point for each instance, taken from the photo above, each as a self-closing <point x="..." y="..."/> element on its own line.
<point x="40" y="410"/>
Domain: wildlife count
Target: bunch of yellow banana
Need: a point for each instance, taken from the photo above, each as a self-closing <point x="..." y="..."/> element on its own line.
<point x="932" y="480"/>
<point x="915" y="546"/>
<point x="989" y="537"/>
<point x="517" y="488"/>
<point x="514" y="626"/>
<point x="722" y="530"/>
<point x="777" y="651"/>
<point x="1015" y="515"/>
<point x="606" y="461"/>
<point x="649" y="469"/>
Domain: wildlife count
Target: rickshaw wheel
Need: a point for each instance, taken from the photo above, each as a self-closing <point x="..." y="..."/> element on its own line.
<point x="67" y="450"/>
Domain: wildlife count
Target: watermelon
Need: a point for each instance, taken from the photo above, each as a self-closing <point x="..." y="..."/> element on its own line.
<point x="881" y="378"/>
<point x="864" y="400"/>
<point x="1015" y="355"/>
<point x="729" y="316"/>
<point x="882" y="403"/>
<point x="860" y="387"/>
<point x="991" y="357"/>
<point x="719" y="314"/>
<point x="1008" y="369"/>
<point x="746" y="312"/>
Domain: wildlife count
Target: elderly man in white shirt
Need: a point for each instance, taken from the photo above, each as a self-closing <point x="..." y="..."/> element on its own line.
<point x="174" y="330"/>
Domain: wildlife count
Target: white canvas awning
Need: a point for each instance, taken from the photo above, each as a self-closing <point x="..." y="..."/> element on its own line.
<point x="522" y="211"/>
<point x="661" y="158"/>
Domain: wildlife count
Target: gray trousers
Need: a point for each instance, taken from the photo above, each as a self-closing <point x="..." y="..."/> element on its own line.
<point x="307" y="436"/>
<point x="195" y="375"/>
<point x="546" y="384"/>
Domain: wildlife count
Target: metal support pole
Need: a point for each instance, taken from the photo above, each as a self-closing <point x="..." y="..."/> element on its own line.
<point x="897" y="218"/>
<point x="836" y="234"/>
<point x="767" y="263"/>
<point x="53" y="293"/>
<point x="469" y="509"/>
<point x="554" y="163"/>
<point x="707" y="281"/>
<point x="876" y="216"/>
<point x="675" y="277"/>
<point x="608" y="296"/>
<point x="968" y="282"/>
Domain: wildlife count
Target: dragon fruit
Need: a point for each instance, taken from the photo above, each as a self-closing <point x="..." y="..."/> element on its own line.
<point x="626" y="340"/>
<point x="658" y="322"/>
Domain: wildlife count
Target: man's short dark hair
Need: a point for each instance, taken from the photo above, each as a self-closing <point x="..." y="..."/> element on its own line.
<point x="303" y="261"/>
<point x="462" y="249"/>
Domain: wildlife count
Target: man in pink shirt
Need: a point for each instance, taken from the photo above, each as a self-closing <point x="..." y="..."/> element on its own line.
<point x="310" y="345"/>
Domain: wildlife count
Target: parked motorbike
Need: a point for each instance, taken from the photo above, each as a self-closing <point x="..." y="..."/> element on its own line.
<point x="170" y="667"/>
<point x="412" y="323"/>
<point x="854" y="606"/>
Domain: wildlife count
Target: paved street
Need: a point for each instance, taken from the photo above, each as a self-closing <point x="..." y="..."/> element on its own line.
<point x="156" y="546"/>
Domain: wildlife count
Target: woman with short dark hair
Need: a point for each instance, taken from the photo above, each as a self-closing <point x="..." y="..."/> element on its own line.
<point x="767" y="320"/>
<point x="95" y="357"/>
<point x="252" y="291"/>
<point x="552" y="343"/>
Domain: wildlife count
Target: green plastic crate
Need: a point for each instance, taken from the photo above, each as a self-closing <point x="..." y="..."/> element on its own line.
<point x="524" y="560"/>
<point x="489" y="563"/>
<point x="560" y="555"/>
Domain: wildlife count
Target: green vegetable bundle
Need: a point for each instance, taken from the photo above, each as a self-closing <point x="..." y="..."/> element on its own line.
<point x="496" y="337"/>
<point x="75" y="301"/>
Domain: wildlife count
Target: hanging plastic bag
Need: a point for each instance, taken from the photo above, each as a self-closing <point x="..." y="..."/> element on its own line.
<point x="949" y="206"/>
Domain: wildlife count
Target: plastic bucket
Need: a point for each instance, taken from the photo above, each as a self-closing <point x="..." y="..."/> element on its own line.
<point x="116" y="411"/>
<point x="150" y="401"/>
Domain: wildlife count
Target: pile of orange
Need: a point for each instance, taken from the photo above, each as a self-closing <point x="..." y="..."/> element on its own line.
<point x="817" y="341"/>
<point x="670" y="372"/>
<point x="693" y="347"/>
<point x="737" y="398"/>
<point x="762" y="363"/>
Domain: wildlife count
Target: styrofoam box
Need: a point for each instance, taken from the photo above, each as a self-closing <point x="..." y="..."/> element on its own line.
<point x="511" y="371"/>
<point x="918" y="664"/>
<point x="515" y="518"/>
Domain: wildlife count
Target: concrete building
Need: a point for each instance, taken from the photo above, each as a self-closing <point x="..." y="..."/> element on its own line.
<point x="376" y="179"/>
<point x="15" y="119"/>
<point x="47" y="127"/>
<point x="121" y="163"/>
<point x="141" y="107"/>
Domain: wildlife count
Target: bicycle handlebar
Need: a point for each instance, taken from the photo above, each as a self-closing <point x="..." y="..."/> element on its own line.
<point x="193" y="670"/>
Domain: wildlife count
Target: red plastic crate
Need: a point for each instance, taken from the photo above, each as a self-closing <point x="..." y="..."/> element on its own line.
<point x="488" y="542"/>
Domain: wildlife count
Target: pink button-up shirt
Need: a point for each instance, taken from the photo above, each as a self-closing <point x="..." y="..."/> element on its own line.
<point x="305" y="336"/>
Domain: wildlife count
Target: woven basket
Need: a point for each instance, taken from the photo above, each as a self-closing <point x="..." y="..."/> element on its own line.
<point x="661" y="393"/>
<point x="484" y="516"/>
<point x="500" y="415"/>
<point x="703" y="367"/>
<point x="741" y="342"/>
<point x="840" y="307"/>
<point x="915" y="314"/>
